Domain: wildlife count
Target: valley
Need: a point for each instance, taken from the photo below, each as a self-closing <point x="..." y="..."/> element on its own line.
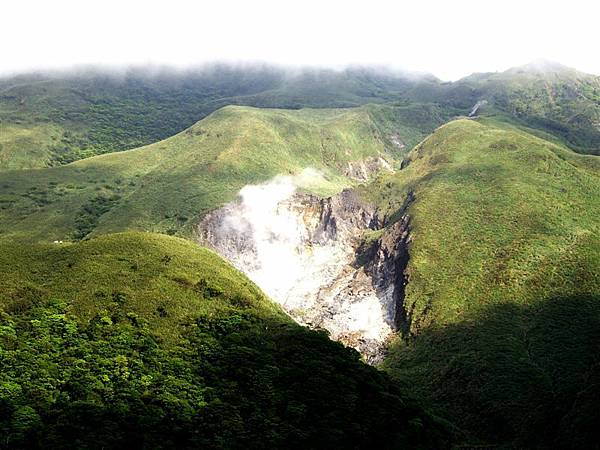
<point x="303" y="252"/>
<point x="330" y="260"/>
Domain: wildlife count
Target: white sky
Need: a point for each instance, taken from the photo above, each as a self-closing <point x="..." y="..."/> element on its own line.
<point x="449" y="38"/>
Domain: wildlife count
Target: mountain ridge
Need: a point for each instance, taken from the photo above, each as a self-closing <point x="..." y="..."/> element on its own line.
<point x="92" y="113"/>
<point x="485" y="237"/>
<point x="169" y="185"/>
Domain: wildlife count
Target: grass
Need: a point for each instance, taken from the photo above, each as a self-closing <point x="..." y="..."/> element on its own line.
<point x="141" y="340"/>
<point x="555" y="99"/>
<point x="510" y="196"/>
<point x="26" y="146"/>
<point x="167" y="186"/>
<point x="503" y="224"/>
<point x="149" y="273"/>
<point x="102" y="112"/>
<point x="404" y="126"/>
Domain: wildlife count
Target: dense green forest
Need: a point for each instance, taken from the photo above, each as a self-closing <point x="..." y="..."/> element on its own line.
<point x="147" y="341"/>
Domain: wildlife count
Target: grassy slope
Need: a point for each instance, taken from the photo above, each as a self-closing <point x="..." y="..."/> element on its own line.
<point x="503" y="300"/>
<point x="401" y="127"/>
<point x="168" y="185"/>
<point x="152" y="272"/>
<point x="100" y="112"/>
<point x="137" y="340"/>
<point x="549" y="97"/>
<point x="25" y="146"/>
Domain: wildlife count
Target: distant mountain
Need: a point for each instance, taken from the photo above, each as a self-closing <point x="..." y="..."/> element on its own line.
<point x="543" y="95"/>
<point x="55" y="118"/>
<point x="52" y="119"/>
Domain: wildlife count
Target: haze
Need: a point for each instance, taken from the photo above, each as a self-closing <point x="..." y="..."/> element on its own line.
<point x="448" y="39"/>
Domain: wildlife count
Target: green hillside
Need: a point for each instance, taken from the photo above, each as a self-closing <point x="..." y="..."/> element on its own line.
<point x="147" y="337"/>
<point x="502" y="306"/>
<point x="25" y="146"/>
<point x="98" y="111"/>
<point x="101" y="111"/>
<point x="168" y="185"/>
<point x="139" y="340"/>
<point x="542" y="95"/>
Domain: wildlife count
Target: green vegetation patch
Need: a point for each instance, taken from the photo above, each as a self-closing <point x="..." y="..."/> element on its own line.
<point x="504" y="229"/>
<point x="101" y="112"/>
<point x="138" y="340"/>
<point x="167" y="186"/>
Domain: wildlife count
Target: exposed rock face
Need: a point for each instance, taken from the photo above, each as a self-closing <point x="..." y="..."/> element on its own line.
<point x="476" y="107"/>
<point x="305" y="253"/>
<point x="363" y="170"/>
<point x="397" y="141"/>
<point x="388" y="268"/>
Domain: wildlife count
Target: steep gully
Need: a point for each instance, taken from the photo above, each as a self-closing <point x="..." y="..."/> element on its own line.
<point x="310" y="255"/>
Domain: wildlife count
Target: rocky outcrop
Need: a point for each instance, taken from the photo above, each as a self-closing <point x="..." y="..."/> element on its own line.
<point x="364" y="169"/>
<point x="307" y="253"/>
<point x="397" y="141"/>
<point x="388" y="269"/>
